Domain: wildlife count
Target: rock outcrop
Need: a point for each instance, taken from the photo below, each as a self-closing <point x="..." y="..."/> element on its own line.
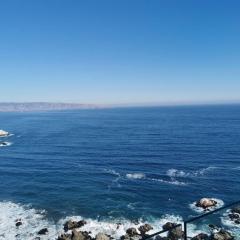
<point x="69" y="225"/>
<point x="43" y="231"/>
<point x="222" y="235"/>
<point x="3" y="133"/>
<point x="206" y="203"/>
<point x="145" y="228"/>
<point x="102" y="236"/>
<point x="132" y="232"/>
<point x="201" y="236"/>
<point x="173" y="234"/>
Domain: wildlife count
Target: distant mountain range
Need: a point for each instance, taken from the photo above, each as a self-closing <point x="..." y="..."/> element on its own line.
<point x="42" y="106"/>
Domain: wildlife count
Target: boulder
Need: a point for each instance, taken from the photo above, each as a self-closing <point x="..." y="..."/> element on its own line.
<point x="234" y="216"/>
<point x="213" y="227"/>
<point x="168" y="226"/>
<point x="237" y="221"/>
<point x="64" y="237"/>
<point x="132" y="232"/>
<point x="176" y="233"/>
<point x="102" y="236"/>
<point x="145" y="228"/>
<point x="69" y="225"/>
<point x="3" y="144"/>
<point x="127" y="237"/>
<point x="18" y="223"/>
<point x="236" y="210"/>
<point x="80" y="235"/>
<point x="201" y="236"/>
<point x="222" y="235"/>
<point x="43" y="231"/>
<point x="3" y="133"/>
<point x="206" y="203"/>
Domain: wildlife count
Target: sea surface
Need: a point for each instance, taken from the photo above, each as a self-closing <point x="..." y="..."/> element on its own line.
<point x="115" y="165"/>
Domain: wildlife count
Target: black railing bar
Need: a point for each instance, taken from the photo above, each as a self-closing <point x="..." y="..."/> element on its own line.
<point x="211" y="212"/>
<point x="161" y="232"/>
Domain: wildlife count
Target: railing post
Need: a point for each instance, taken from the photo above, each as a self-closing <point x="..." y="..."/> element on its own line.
<point x="185" y="230"/>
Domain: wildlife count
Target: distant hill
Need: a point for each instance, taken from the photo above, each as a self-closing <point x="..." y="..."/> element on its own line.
<point x="42" y="106"/>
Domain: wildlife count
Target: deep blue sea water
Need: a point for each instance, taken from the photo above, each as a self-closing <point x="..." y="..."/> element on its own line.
<point x="126" y="163"/>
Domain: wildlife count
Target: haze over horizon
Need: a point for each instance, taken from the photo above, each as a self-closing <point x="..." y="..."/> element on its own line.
<point x="120" y="52"/>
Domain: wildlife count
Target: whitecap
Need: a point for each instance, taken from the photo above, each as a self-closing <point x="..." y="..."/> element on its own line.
<point x="135" y="175"/>
<point x="219" y="204"/>
<point x="112" y="172"/>
<point x="32" y="221"/>
<point x="5" y="144"/>
<point x="172" y="181"/>
<point x="227" y="221"/>
<point x="180" y="173"/>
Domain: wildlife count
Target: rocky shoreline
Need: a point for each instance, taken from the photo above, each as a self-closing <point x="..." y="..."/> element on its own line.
<point x="76" y="230"/>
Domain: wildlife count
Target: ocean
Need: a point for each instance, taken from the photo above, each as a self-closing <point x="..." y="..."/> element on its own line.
<point x="115" y="165"/>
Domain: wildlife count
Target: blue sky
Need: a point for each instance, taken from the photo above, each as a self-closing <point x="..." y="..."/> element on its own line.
<point x="120" y="51"/>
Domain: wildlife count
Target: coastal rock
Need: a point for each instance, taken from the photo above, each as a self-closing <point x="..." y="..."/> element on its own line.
<point x="175" y="233"/>
<point x="234" y="216"/>
<point x="79" y="235"/>
<point x="18" y="223"/>
<point x="145" y="228"/>
<point x="43" y="231"/>
<point x="3" y="133"/>
<point x="127" y="237"/>
<point x="132" y="232"/>
<point x="168" y="226"/>
<point x="69" y="225"/>
<point x="64" y="237"/>
<point x="213" y="227"/>
<point x="201" y="236"/>
<point x="102" y="236"/>
<point x="236" y="210"/>
<point x="222" y="235"/>
<point x="3" y="144"/>
<point x="206" y="203"/>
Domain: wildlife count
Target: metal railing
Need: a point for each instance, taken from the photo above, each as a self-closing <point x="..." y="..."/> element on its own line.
<point x="185" y="223"/>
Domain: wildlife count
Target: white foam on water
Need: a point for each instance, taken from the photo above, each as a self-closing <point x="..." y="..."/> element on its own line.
<point x="227" y="221"/>
<point x="5" y="144"/>
<point x="172" y="181"/>
<point x="219" y="204"/>
<point x="179" y="173"/>
<point x="32" y="221"/>
<point x="135" y="175"/>
<point x="114" y="182"/>
<point x="112" y="172"/>
<point x="235" y="228"/>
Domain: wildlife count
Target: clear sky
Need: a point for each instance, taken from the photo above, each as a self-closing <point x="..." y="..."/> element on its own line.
<point x="120" y="51"/>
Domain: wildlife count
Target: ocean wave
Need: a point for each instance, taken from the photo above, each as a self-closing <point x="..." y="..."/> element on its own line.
<point x="112" y="172"/>
<point x="235" y="228"/>
<point x="5" y="144"/>
<point x="227" y="221"/>
<point x="114" y="182"/>
<point x="219" y="204"/>
<point x="172" y="181"/>
<point x="141" y="176"/>
<point x="34" y="220"/>
<point x="180" y="173"/>
<point x="135" y="175"/>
